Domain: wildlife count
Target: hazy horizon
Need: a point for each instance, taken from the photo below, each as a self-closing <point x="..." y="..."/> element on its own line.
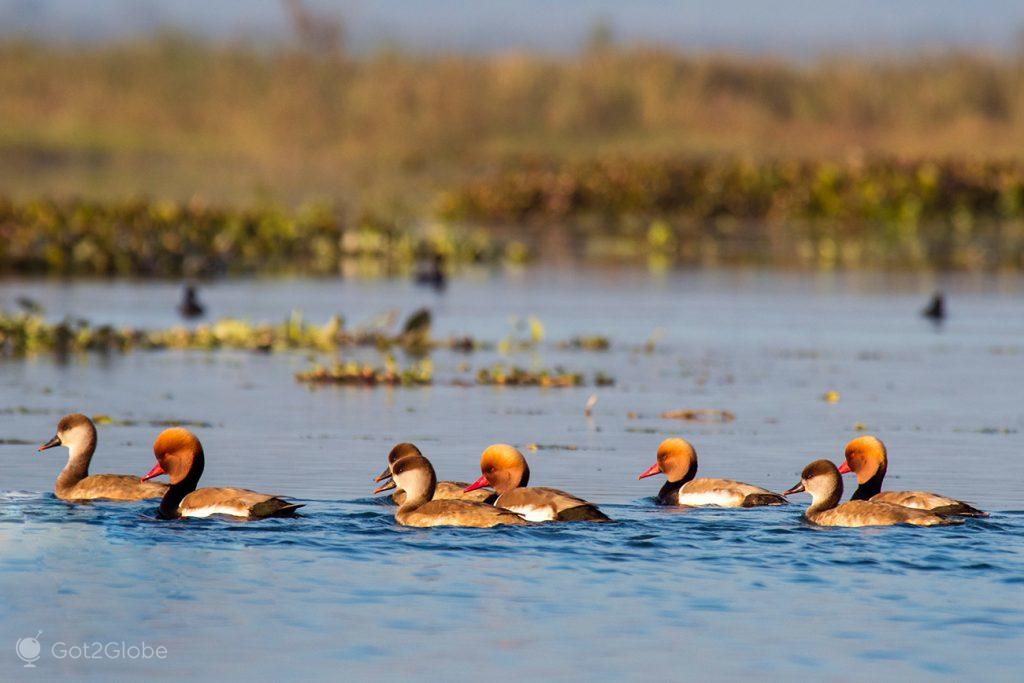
<point x="788" y="27"/>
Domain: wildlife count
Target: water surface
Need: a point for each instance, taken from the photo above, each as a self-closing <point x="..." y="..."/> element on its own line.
<point x="709" y="593"/>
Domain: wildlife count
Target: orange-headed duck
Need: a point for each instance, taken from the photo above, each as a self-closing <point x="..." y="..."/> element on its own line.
<point x="504" y="468"/>
<point x="822" y="480"/>
<point x="415" y="475"/>
<point x="179" y="455"/>
<point x="677" y="460"/>
<point x="866" y="456"/>
<point x="78" y="434"/>
<point x="445" y="490"/>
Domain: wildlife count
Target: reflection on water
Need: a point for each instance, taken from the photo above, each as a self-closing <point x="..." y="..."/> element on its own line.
<point x="713" y="592"/>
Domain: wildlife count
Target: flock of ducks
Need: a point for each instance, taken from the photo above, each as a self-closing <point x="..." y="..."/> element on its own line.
<point x="502" y="495"/>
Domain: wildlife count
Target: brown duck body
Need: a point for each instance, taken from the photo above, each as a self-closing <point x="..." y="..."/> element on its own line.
<point x="542" y="504"/>
<point x="719" y="493"/>
<point x="867" y="457"/>
<point x="856" y="513"/>
<point x="109" y="487"/>
<point x="455" y="513"/>
<point x="78" y="433"/>
<point x="235" y="502"/>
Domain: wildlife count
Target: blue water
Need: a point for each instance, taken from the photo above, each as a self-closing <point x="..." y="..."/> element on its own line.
<point x="709" y="594"/>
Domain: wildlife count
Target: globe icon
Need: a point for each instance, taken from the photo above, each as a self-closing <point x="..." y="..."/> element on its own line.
<point x="28" y="650"/>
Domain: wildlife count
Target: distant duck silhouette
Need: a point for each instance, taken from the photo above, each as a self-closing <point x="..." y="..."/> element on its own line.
<point x="936" y="308"/>
<point x="432" y="274"/>
<point x="190" y="306"/>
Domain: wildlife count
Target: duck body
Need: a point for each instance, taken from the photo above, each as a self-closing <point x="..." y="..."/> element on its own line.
<point x="542" y="504"/>
<point x="180" y="456"/>
<point x="822" y="480"/>
<point x="857" y="513"/>
<point x="867" y="457"/>
<point x="415" y="475"/>
<point x="456" y="513"/>
<point x="724" y="493"/>
<point x="74" y="483"/>
<point x="120" y="487"/>
<point x="235" y="502"/>
<point x="677" y="460"/>
<point x="505" y="469"/>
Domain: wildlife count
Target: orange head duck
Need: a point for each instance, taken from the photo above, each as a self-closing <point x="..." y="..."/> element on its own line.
<point x="821" y="479"/>
<point x="867" y="457"/>
<point x="505" y="469"/>
<point x="677" y="460"/>
<point x="77" y="433"/>
<point x="180" y="456"/>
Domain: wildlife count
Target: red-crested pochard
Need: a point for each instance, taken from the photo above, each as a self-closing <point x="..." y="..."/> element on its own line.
<point x="179" y="455"/>
<point x="415" y="475"/>
<point x="677" y="460"/>
<point x="867" y="457"/>
<point x="822" y="480"/>
<point x="445" y="490"/>
<point x="504" y="468"/>
<point x="78" y="434"/>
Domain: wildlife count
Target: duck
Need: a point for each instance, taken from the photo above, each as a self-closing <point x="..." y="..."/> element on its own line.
<point x="867" y="457"/>
<point x="445" y="490"/>
<point x="77" y="433"/>
<point x="677" y="460"/>
<point x="822" y="480"/>
<point x="415" y="475"/>
<point x="190" y="306"/>
<point x="180" y="456"/>
<point x="936" y="308"/>
<point x="505" y="469"/>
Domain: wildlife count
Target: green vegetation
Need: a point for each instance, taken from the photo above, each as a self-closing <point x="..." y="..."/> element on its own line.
<point x="957" y="214"/>
<point x="28" y="333"/>
<point x="171" y="239"/>
<point x="512" y="376"/>
<point x="352" y="373"/>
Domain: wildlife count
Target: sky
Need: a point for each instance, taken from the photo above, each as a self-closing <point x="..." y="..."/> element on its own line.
<point x="788" y="27"/>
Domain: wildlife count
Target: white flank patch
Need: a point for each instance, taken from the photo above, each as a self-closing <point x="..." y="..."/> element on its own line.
<point x="533" y="513"/>
<point x="724" y="499"/>
<point x="234" y="511"/>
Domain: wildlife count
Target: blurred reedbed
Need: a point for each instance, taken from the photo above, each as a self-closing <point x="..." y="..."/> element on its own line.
<point x="175" y="114"/>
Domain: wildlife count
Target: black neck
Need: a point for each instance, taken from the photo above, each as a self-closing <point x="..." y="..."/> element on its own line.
<point x="668" y="492"/>
<point x="176" y="492"/>
<point x="871" y="487"/>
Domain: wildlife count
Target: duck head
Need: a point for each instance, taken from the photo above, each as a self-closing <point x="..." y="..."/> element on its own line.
<point x="397" y="453"/>
<point x="415" y="475"/>
<point x="866" y="457"/>
<point x="503" y="468"/>
<point x="178" y="455"/>
<point x="822" y="481"/>
<point x="76" y="432"/>
<point x="676" y="459"/>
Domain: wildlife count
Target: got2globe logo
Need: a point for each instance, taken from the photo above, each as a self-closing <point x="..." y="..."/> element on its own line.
<point x="29" y="650"/>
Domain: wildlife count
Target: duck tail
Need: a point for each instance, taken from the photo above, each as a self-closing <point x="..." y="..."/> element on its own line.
<point x="275" y="507"/>
<point x="759" y="499"/>
<point x="582" y="513"/>
<point x="960" y="509"/>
